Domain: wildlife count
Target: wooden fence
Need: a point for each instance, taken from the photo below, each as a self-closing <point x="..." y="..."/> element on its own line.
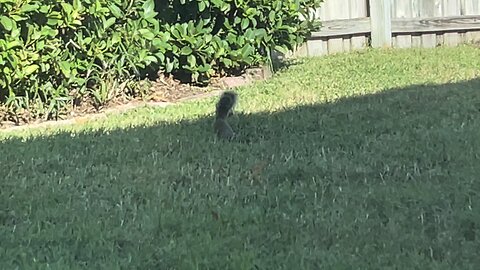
<point x="355" y="24"/>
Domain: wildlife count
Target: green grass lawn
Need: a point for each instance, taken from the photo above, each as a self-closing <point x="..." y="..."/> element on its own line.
<point x="362" y="161"/>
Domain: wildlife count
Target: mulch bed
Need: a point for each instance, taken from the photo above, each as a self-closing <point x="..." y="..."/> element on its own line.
<point x="163" y="92"/>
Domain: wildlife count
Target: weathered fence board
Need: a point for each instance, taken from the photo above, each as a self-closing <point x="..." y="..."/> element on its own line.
<point x="429" y="40"/>
<point x="349" y="24"/>
<point x="419" y="25"/>
<point x="416" y="25"/>
<point x="358" y="9"/>
<point x="344" y="27"/>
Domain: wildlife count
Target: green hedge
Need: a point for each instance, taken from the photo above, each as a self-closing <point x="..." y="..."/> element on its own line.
<point x="208" y="36"/>
<point x="54" y="54"/>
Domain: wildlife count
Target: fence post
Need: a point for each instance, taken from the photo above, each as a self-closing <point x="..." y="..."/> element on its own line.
<point x="381" y="23"/>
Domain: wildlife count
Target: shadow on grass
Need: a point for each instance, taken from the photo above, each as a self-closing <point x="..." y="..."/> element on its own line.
<point x="371" y="181"/>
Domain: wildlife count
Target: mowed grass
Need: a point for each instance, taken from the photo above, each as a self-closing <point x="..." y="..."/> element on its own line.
<point x="362" y="161"/>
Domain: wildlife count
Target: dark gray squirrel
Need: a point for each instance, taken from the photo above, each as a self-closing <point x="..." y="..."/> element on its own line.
<point x="224" y="109"/>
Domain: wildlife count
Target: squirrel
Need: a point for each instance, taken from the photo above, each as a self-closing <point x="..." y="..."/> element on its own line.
<point x="224" y="109"/>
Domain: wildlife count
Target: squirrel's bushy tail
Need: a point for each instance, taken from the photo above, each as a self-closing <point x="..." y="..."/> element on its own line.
<point x="224" y="107"/>
<point x="225" y="104"/>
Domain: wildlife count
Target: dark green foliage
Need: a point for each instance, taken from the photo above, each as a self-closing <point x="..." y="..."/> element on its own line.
<point x="213" y="36"/>
<point x="54" y="53"/>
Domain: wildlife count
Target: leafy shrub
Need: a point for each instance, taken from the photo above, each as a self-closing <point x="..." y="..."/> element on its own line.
<point x="55" y="54"/>
<point x="210" y="36"/>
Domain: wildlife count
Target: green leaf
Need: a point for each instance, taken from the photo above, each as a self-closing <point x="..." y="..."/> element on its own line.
<point x="227" y="62"/>
<point x="6" y="22"/>
<point x="67" y="8"/>
<point x="48" y="31"/>
<point x="169" y="66"/>
<point x="28" y="8"/>
<point x="186" y="50"/>
<point x="182" y="29"/>
<point x="65" y="68"/>
<point x="231" y="38"/>
<point x="53" y="22"/>
<point x="30" y="69"/>
<point x="158" y="43"/>
<point x="150" y="59"/>
<point x="278" y="5"/>
<point x="208" y="38"/>
<point x="116" y="38"/>
<point x="253" y="21"/>
<point x="219" y="52"/>
<point x="77" y="4"/>
<point x="160" y="56"/>
<point x="271" y="16"/>
<point x="245" y="23"/>
<point x="205" y="68"/>
<point x="281" y="49"/>
<point x="147" y="34"/>
<point x="44" y="9"/>
<point x="175" y="33"/>
<point x="247" y="50"/>
<point x="109" y="22"/>
<point x="13" y="44"/>
<point x="192" y="61"/>
<point x="148" y="9"/>
<point x="250" y="34"/>
<point x="260" y="34"/>
<point x="40" y="45"/>
<point x="201" y="6"/>
<point x="18" y="18"/>
<point x="116" y="11"/>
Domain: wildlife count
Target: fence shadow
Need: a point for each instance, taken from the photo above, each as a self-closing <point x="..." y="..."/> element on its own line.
<point x="388" y="120"/>
<point x="384" y="156"/>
